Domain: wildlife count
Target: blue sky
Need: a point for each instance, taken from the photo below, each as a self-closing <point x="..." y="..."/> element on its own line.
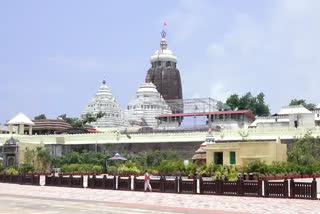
<point x="54" y="54"/>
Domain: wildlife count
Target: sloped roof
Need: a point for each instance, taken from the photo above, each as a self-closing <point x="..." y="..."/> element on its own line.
<point x="21" y="119"/>
<point x="45" y="124"/>
<point x="299" y="109"/>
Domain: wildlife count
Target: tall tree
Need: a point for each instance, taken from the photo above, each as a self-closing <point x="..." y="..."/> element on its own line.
<point x="256" y="104"/>
<point x="295" y="102"/>
<point x="233" y="101"/>
<point x="40" y="117"/>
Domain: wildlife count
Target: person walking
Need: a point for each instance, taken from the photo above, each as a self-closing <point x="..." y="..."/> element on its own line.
<point x="147" y="182"/>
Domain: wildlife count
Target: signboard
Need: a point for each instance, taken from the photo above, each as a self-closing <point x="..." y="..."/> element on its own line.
<point x="85" y="181"/>
<point x="42" y="180"/>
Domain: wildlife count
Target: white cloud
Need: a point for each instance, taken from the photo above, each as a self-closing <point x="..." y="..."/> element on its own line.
<point x="277" y="53"/>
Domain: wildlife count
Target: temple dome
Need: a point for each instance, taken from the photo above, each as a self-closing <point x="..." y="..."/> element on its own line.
<point x="147" y="88"/>
<point x="146" y="106"/>
<point x="164" y="55"/>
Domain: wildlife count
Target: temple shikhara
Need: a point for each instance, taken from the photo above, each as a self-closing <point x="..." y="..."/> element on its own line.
<point x="105" y="102"/>
<point x="164" y="73"/>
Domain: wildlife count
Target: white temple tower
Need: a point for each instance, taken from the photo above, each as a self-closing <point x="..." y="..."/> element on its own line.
<point x="105" y="102"/>
<point x="146" y="106"/>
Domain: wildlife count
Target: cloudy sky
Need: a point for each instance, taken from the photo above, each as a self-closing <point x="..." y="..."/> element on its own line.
<point x="54" y="54"/>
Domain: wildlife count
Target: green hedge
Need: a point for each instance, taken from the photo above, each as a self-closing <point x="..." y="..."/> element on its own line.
<point x="83" y="168"/>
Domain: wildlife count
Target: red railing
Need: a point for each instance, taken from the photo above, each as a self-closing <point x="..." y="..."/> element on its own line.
<point x="279" y="189"/>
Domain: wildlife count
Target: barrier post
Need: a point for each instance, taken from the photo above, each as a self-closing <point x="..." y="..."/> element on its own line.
<point x="292" y="193"/>
<point x="285" y="188"/>
<point x="314" y="189"/>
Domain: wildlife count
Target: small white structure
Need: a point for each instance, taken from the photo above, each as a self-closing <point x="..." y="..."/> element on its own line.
<point x="146" y="106"/>
<point x="289" y="116"/>
<point x="20" y="120"/>
<point x="106" y="103"/>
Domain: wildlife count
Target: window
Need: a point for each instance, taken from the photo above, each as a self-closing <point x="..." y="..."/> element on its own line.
<point x="159" y="63"/>
<point x="218" y="158"/>
<point x="168" y="64"/>
<point x="232" y="157"/>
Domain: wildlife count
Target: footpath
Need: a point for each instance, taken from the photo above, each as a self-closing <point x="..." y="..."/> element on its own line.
<point x="182" y="203"/>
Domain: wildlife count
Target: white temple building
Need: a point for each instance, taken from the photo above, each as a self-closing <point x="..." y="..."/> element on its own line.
<point x="148" y="104"/>
<point x="106" y="103"/>
<point x="289" y="116"/>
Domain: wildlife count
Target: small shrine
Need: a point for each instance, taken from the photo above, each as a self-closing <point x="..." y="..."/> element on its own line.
<point x="200" y="154"/>
<point x="10" y="153"/>
<point x="23" y="122"/>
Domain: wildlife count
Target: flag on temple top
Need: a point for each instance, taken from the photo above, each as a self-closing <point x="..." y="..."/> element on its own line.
<point x="165" y="24"/>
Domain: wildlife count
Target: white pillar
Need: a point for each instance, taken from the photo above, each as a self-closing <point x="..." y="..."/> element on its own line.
<point x="30" y="130"/>
<point x="21" y="129"/>
<point x="10" y="129"/>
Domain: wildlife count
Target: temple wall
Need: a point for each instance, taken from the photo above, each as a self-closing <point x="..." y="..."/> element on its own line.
<point x="185" y="149"/>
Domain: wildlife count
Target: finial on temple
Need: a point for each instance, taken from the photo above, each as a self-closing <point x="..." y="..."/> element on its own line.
<point x="163" y="34"/>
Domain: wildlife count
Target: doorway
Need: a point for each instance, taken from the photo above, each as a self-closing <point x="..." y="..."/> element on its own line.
<point x="218" y="158"/>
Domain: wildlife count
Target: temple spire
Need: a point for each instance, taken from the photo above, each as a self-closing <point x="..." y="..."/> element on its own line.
<point x="163" y="43"/>
<point x="104" y="80"/>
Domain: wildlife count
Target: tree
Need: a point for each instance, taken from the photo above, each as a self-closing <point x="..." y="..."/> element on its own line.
<point x="248" y="102"/>
<point x="305" y="151"/>
<point x="87" y="118"/>
<point x="40" y="117"/>
<point x="233" y="101"/>
<point x="295" y="102"/>
<point x="73" y="121"/>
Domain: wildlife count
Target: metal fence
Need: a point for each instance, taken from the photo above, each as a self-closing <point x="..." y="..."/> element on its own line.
<point x="260" y="188"/>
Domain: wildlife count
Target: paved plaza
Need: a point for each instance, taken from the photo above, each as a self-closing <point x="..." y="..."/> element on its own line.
<point x="36" y="199"/>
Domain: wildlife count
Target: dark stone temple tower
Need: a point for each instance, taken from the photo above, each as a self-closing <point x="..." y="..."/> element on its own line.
<point x="164" y="73"/>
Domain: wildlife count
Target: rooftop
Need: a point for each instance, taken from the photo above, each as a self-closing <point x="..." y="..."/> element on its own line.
<point x="20" y="119"/>
<point x="300" y="109"/>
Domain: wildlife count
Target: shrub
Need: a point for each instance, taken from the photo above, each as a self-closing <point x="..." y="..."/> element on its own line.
<point x="83" y="168"/>
<point x="97" y="169"/>
<point x="130" y="168"/>
<point x="12" y="170"/>
<point x="169" y="167"/>
<point x="112" y="169"/>
<point x="26" y="168"/>
<point x="228" y="172"/>
<point x="257" y="166"/>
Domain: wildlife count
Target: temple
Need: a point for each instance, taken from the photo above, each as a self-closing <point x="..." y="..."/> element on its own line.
<point x="148" y="104"/>
<point x="106" y="103"/>
<point x="164" y="73"/>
